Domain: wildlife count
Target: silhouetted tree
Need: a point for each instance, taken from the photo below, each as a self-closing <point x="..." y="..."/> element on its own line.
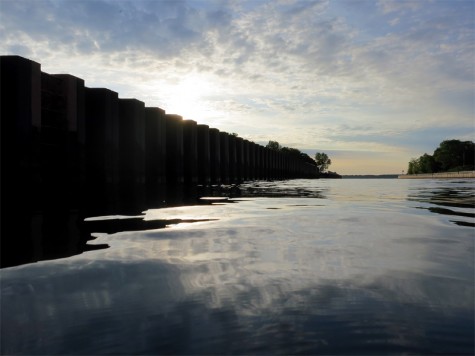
<point x="449" y="156"/>
<point x="297" y="154"/>
<point x="306" y="158"/>
<point x="423" y="164"/>
<point x="323" y="161"/>
<point x="413" y="166"/>
<point x="455" y="154"/>
<point x="427" y="164"/>
<point x="291" y="151"/>
<point x="274" y="146"/>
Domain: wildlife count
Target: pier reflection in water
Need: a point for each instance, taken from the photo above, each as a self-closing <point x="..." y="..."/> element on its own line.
<point x="51" y="227"/>
<point x="314" y="267"/>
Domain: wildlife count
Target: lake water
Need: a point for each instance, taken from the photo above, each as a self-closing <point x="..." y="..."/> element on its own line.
<point x="380" y="266"/>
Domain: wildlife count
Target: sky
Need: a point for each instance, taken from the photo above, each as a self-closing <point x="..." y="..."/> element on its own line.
<point x="371" y="83"/>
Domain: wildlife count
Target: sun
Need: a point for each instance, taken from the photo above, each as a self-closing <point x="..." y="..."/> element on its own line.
<point x="192" y="98"/>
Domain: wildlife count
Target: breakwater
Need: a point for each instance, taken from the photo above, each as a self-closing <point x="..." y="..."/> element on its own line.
<point x="55" y="129"/>
<point x="442" y="175"/>
<point x="69" y="151"/>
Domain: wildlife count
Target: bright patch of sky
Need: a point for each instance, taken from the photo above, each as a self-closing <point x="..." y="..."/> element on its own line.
<point x="372" y="83"/>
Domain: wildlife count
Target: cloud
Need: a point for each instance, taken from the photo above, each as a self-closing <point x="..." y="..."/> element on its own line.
<point x="159" y="27"/>
<point x="390" y="6"/>
<point x="301" y="72"/>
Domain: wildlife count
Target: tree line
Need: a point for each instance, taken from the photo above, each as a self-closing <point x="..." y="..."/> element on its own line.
<point x="450" y="156"/>
<point x="321" y="161"/>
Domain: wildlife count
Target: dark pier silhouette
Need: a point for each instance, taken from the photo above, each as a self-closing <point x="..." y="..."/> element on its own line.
<point x="65" y="147"/>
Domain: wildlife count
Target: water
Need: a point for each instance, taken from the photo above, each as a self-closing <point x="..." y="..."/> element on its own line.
<point x="297" y="267"/>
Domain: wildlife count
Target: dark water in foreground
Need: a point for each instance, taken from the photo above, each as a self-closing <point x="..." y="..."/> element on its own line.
<point x="297" y="267"/>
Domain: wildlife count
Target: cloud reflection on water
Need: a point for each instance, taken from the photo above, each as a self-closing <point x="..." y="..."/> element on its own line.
<point x="144" y="308"/>
<point x="314" y="276"/>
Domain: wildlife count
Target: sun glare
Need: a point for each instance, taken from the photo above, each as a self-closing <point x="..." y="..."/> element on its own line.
<point x="191" y="98"/>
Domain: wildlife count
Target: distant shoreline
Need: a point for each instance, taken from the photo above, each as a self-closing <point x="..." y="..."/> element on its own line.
<point x="330" y="175"/>
<point x="441" y="175"/>
<point x="370" y="176"/>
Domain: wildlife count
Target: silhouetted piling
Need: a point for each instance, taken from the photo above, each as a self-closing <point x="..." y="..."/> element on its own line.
<point x="102" y="145"/>
<point x="155" y="148"/>
<point x="245" y="159"/>
<point x="54" y="139"/>
<point x="20" y="155"/>
<point x="174" y="128"/>
<point x="73" y="91"/>
<point x="215" y="156"/>
<point x="233" y="171"/>
<point x="132" y="151"/>
<point x="224" y="151"/>
<point x="190" y="144"/>
<point x="240" y="175"/>
<point x="252" y="161"/>
<point x="203" y="154"/>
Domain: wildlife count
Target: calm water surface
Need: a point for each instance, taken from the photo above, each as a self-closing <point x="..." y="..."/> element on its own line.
<point x="297" y="267"/>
